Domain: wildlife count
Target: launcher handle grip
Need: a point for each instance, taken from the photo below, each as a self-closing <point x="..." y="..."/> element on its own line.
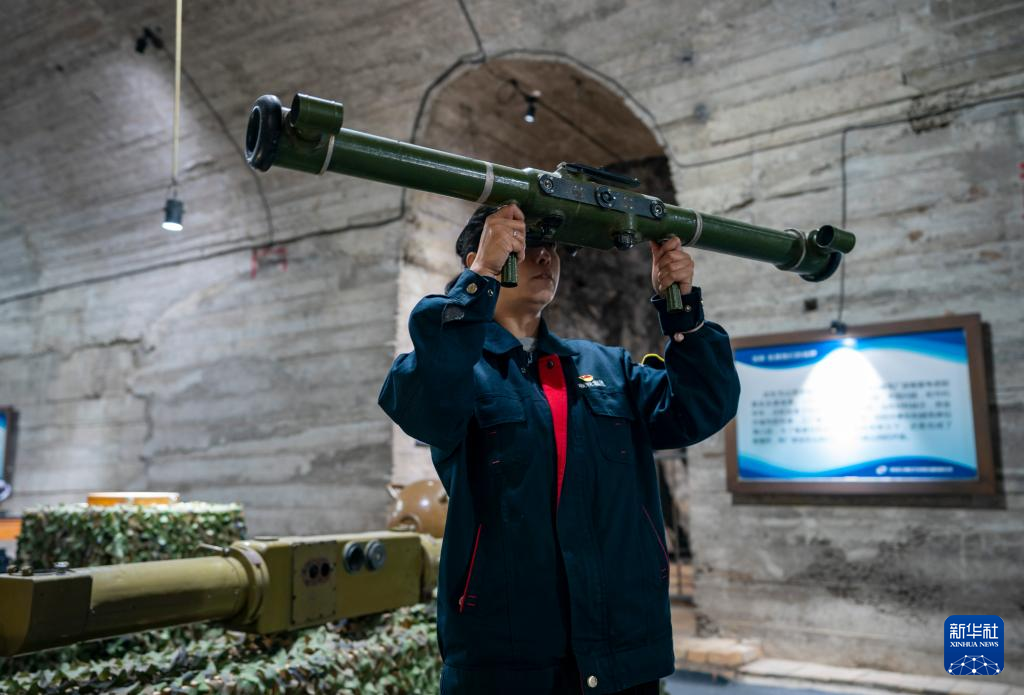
<point x="510" y="271"/>
<point x="674" y="298"/>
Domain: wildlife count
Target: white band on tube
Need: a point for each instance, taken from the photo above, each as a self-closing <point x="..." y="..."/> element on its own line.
<point x="327" y="157"/>
<point x="700" y="228"/>
<point x="488" y="184"/>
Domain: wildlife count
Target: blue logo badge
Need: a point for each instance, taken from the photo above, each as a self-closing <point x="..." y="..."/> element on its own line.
<point x="974" y="645"/>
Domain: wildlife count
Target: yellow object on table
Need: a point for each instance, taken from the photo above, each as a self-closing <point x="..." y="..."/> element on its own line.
<point x="109" y="499"/>
<point x="10" y="527"/>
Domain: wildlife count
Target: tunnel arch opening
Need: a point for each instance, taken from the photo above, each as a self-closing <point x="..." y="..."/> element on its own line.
<point x="527" y="112"/>
<point x="483" y="112"/>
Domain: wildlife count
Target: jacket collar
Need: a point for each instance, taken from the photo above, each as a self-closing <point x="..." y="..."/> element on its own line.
<point x="499" y="341"/>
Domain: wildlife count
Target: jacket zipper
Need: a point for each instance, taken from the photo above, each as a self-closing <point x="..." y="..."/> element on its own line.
<point x="466" y="596"/>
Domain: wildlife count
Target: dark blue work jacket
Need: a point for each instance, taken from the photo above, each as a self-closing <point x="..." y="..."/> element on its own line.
<point x="524" y="587"/>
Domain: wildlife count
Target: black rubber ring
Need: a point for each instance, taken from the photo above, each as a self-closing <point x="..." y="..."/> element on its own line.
<point x="263" y="132"/>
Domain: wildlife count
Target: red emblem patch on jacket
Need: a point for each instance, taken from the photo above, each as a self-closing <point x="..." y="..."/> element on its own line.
<point x="590" y="382"/>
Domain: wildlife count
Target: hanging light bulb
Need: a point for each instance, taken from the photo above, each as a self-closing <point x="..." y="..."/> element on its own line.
<point x="174" y="210"/>
<point x="531" y="109"/>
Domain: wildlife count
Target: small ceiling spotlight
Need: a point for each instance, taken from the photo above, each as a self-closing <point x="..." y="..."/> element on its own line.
<point x="531" y="98"/>
<point x="174" y="210"/>
<point x="531" y="109"/>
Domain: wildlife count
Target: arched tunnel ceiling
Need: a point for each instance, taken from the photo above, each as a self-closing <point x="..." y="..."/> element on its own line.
<point x="577" y="119"/>
<point x="480" y="113"/>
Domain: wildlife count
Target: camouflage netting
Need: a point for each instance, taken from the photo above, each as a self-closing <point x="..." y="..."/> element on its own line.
<point x="390" y="654"/>
<point x="87" y="536"/>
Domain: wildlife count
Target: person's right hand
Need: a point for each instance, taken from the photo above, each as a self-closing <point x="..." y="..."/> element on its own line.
<point x="504" y="234"/>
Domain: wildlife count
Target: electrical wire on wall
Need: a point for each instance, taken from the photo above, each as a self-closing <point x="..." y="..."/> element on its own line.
<point x="532" y="100"/>
<point x="838" y="326"/>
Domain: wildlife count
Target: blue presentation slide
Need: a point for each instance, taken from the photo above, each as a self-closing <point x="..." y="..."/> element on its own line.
<point x="894" y="407"/>
<point x="3" y="442"/>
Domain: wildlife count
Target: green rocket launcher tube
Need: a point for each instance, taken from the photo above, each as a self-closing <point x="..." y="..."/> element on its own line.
<point x="575" y="205"/>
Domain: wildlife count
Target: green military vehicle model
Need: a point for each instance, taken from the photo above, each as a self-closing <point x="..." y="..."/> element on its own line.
<point x="264" y="585"/>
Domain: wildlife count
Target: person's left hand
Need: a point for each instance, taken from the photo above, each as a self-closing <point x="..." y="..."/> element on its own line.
<point x="669" y="264"/>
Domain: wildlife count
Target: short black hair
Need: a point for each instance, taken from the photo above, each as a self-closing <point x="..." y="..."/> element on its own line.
<point x="469" y="239"/>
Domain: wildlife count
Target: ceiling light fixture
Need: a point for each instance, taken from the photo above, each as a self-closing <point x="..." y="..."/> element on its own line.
<point x="531" y="98"/>
<point x="174" y="209"/>
<point x="531" y="109"/>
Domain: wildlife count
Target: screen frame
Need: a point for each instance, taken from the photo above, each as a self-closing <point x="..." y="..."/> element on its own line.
<point x="976" y="365"/>
<point x="8" y="443"/>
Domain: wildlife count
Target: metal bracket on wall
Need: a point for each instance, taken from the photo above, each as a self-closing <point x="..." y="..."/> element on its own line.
<point x="268" y="256"/>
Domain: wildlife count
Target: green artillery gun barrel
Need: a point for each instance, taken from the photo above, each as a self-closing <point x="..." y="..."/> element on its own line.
<point x="575" y="205"/>
<point x="53" y="609"/>
<point x="262" y="586"/>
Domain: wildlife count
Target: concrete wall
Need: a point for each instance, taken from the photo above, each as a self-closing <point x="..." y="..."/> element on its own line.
<point x="937" y="206"/>
<point x="169" y="366"/>
<point x="141" y="358"/>
<point x="216" y="384"/>
<point x="428" y="262"/>
<point x="939" y="218"/>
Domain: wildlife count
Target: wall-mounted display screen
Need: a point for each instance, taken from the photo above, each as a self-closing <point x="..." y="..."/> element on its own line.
<point x="887" y="408"/>
<point x="8" y="421"/>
